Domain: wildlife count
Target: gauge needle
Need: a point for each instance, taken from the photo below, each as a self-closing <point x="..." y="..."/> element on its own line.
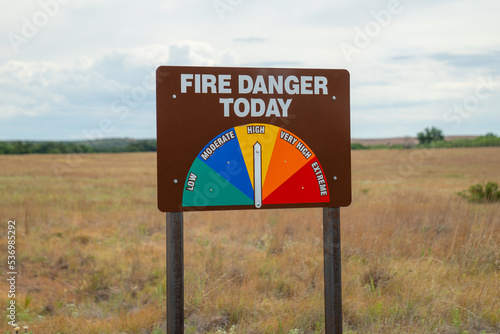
<point x="257" y="174"/>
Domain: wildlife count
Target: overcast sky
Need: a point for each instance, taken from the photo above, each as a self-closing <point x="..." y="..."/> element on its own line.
<point x="74" y="69"/>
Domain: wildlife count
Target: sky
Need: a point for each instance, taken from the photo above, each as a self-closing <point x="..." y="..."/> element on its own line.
<point x="73" y="70"/>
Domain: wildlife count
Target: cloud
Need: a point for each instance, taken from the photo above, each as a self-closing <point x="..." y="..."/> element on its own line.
<point x="30" y="88"/>
<point x="276" y="63"/>
<point x="191" y="53"/>
<point x="195" y="53"/>
<point x="116" y="86"/>
<point x="93" y="60"/>
<point x="489" y="61"/>
<point x="407" y="93"/>
<point x="250" y="39"/>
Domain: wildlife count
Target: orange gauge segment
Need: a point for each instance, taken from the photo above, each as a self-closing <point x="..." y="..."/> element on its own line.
<point x="289" y="155"/>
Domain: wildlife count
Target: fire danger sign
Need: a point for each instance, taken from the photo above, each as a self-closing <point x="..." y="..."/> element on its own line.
<point x="252" y="138"/>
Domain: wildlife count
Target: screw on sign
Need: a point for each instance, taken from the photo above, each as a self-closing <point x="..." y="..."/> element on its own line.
<point x="252" y="138"/>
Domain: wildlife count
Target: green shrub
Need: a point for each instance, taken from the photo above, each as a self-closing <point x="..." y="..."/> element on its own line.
<point x="488" y="193"/>
<point x="357" y="146"/>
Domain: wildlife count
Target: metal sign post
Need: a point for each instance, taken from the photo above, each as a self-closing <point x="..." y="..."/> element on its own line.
<point x="332" y="272"/>
<point x="175" y="273"/>
<point x="332" y="259"/>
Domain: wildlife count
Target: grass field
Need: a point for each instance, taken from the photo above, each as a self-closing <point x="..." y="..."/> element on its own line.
<point x="90" y="250"/>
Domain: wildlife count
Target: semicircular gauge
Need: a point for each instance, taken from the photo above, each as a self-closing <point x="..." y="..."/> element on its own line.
<point x="255" y="165"/>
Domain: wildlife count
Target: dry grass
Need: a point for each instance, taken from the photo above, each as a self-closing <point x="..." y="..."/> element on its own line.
<point x="417" y="258"/>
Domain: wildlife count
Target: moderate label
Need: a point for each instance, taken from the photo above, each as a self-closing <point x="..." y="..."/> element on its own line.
<point x="252" y="138"/>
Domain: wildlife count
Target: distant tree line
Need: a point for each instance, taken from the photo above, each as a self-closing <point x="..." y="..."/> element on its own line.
<point x="489" y="139"/>
<point x="434" y="137"/>
<point x="429" y="138"/>
<point x="141" y="146"/>
<point x="25" y="147"/>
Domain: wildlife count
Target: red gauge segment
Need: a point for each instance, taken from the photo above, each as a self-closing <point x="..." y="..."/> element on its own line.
<point x="307" y="185"/>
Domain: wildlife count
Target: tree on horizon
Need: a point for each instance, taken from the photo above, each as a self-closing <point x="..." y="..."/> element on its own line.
<point x="430" y="135"/>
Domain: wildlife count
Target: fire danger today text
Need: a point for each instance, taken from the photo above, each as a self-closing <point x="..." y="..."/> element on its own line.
<point x="244" y="85"/>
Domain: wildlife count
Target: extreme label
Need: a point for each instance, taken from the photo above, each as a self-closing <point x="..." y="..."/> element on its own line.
<point x="321" y="179"/>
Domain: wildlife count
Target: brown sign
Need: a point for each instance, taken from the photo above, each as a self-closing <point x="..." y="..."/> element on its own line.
<point x="252" y="138"/>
